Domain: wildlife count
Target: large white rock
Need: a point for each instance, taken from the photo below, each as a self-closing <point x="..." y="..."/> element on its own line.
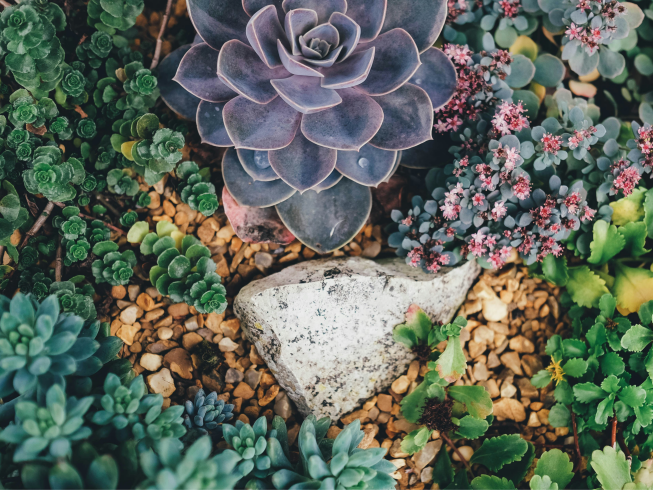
<point x="324" y="327"/>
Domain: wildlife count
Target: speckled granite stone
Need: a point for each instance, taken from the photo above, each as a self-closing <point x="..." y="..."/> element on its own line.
<point x="324" y="327"/>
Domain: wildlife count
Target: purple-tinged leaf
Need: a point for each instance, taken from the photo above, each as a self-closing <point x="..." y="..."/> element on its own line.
<point x="423" y="19"/>
<point x="255" y="225"/>
<point x="408" y="118"/>
<point x="263" y="32"/>
<point x="323" y="8"/>
<point x="437" y="76"/>
<point x="324" y="32"/>
<point x="252" y="6"/>
<point x="347" y="126"/>
<point x="260" y="126"/>
<point x="305" y="94"/>
<point x="348" y="31"/>
<point x="333" y="178"/>
<point x="197" y="73"/>
<point x="174" y="95"/>
<point x="328" y="61"/>
<point x="303" y="164"/>
<point x="394" y="167"/>
<point x="370" y="166"/>
<point x="428" y="154"/>
<point x="248" y="192"/>
<point x="369" y="15"/>
<point x="327" y="220"/>
<point x="257" y="164"/>
<point x="307" y="51"/>
<point x="395" y="60"/>
<point x="210" y="124"/>
<point x="297" y="23"/>
<point x="218" y="22"/>
<point x="242" y="70"/>
<point x="349" y="73"/>
<point x="293" y="63"/>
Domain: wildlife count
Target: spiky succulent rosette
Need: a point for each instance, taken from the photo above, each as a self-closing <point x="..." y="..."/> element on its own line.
<point x="314" y="99"/>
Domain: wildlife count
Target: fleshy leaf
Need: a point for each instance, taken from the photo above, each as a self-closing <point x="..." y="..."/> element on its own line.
<point x="632" y="287"/>
<point x="496" y="452"/>
<point x="369" y="15"/>
<point x="451" y="364"/>
<point x="174" y="95"/>
<point x="210" y="124"/>
<point x="611" y="467"/>
<point x="437" y="76"/>
<point x="305" y="94"/>
<point x="257" y="164"/>
<point x="585" y="287"/>
<point x="197" y="73"/>
<point x="369" y="166"/>
<point x="607" y="242"/>
<point x="423" y="19"/>
<point x="557" y="466"/>
<point x="218" y="22"/>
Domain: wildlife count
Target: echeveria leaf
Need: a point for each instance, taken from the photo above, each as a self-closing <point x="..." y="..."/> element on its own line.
<point x="197" y="73"/>
<point x="210" y="124"/>
<point x="370" y="166"/>
<point x="437" y="76"/>
<point x="423" y="19"/>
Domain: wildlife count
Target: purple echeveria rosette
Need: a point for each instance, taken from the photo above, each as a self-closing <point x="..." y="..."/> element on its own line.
<point x="315" y="96"/>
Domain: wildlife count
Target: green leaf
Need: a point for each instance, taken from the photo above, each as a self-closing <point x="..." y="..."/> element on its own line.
<point x="633" y="396"/>
<point x="585" y="287"/>
<point x="648" y="212"/>
<point x="451" y="364"/>
<point x="138" y="231"/>
<point x="476" y="399"/>
<point x="604" y="410"/>
<point x="611" y="363"/>
<point x="542" y="483"/>
<point x="416" y="440"/>
<point x="575" y="367"/>
<point x="517" y="471"/>
<point x="607" y="242"/>
<point x="403" y="334"/>
<point x="487" y="482"/>
<point x="611" y="467"/>
<point x="471" y="428"/>
<point x="645" y="313"/>
<point x="630" y="208"/>
<point x="588" y="392"/>
<point x="559" y="416"/>
<point x="499" y="451"/>
<point x="147" y="126"/>
<point x="555" y="269"/>
<point x="165" y="228"/>
<point x="634" y="234"/>
<point x="443" y="473"/>
<point x="556" y="465"/>
<point x="637" y="338"/>
<point x="632" y="287"/>
<point x="541" y="379"/>
<point x="412" y="405"/>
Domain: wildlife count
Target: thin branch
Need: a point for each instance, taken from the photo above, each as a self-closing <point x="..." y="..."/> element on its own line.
<point x="58" y="270"/>
<point x="613" y="438"/>
<point x="622" y="443"/>
<point x="159" y="39"/>
<point x="5" y="4"/>
<point x="455" y="450"/>
<point x="38" y="223"/>
<point x="86" y="216"/>
<point x="2" y="254"/>
<point x="33" y="208"/>
<point x="576" y="445"/>
<point x="107" y="205"/>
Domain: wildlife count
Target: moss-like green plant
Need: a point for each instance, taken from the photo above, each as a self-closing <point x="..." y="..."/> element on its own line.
<point x="195" y="188"/>
<point x="49" y="176"/>
<point x="113" y="267"/>
<point x="24" y="109"/>
<point x="78" y="301"/>
<point x="119" y="181"/>
<point x="34" y="281"/>
<point x="112" y="15"/>
<point x="95" y="49"/>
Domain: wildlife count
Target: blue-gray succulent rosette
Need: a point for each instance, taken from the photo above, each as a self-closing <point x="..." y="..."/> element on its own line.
<point x="314" y="99"/>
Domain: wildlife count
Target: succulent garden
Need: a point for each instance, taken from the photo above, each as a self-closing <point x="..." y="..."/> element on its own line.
<point x="195" y="193"/>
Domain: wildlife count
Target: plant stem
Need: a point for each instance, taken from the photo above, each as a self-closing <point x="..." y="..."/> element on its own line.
<point x="613" y="438"/>
<point x="107" y="205"/>
<point x="455" y="450"/>
<point x="58" y="270"/>
<point x="576" y="445"/>
<point x="33" y="208"/>
<point x="159" y="39"/>
<point x="38" y="223"/>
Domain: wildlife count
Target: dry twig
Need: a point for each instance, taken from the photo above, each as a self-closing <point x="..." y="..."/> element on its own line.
<point x="47" y="211"/>
<point x="58" y="270"/>
<point x="107" y="205"/>
<point x="576" y="445"/>
<point x="159" y="39"/>
<point x="455" y="450"/>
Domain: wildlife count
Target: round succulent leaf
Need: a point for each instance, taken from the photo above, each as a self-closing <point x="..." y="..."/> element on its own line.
<point x="218" y="22"/>
<point x="210" y="124"/>
<point x="333" y="178"/>
<point x="303" y="164"/>
<point x="305" y="94"/>
<point x="180" y="266"/>
<point x="396" y="59"/>
<point x="521" y="72"/>
<point x="102" y="248"/>
<point x="263" y="30"/>
<point x="506" y="37"/>
<point x="197" y="73"/>
<point x="611" y="63"/>
<point x="327" y="220"/>
<point x="260" y="126"/>
<point x="349" y="33"/>
<point x="347" y="126"/>
<point x="422" y="19"/>
<point x="257" y="164"/>
<point x="166" y="257"/>
<point x="526" y="46"/>
<point x="634" y="14"/>
<point x="408" y="118"/>
<point x="241" y="69"/>
<point x="644" y="64"/>
<point x="582" y="63"/>
<point x="437" y="76"/>
<point x="549" y="70"/>
<point x="369" y="166"/>
<point x="369" y="15"/>
<point x="174" y="95"/>
<point x="248" y="192"/>
<point x="323" y="8"/>
<point x="350" y="72"/>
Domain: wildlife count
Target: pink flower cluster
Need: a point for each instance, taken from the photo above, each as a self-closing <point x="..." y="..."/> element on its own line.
<point x="645" y="144"/>
<point x="551" y="144"/>
<point x="509" y="118"/>
<point x="451" y="207"/>
<point x="480" y="244"/>
<point x="509" y="8"/>
<point x="433" y="260"/>
<point x="464" y="105"/>
<point x="580" y="136"/>
<point x="454" y="9"/>
<point x="626" y="177"/>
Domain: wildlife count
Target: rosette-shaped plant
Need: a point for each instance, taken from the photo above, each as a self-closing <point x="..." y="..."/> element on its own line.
<point x="251" y="442"/>
<point x="33" y="281"/>
<point x="204" y="413"/>
<point x="197" y="191"/>
<point x="49" y="176"/>
<point x="315" y="96"/>
<point x="166" y="469"/>
<point x="97" y="232"/>
<point x="119" y="181"/>
<point x="76" y="251"/>
<point x="46" y="431"/>
<point x="344" y="467"/>
<point x="129" y="218"/>
<point x="112" y="15"/>
<point x="25" y="110"/>
<point x="38" y="345"/>
<point x="113" y="267"/>
<point x="78" y="301"/>
<point x="95" y="49"/>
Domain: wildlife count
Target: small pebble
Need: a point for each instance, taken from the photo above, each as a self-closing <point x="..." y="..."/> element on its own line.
<point x="165" y="333"/>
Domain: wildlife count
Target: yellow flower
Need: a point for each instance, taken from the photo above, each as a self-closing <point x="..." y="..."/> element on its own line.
<point x="557" y="374"/>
